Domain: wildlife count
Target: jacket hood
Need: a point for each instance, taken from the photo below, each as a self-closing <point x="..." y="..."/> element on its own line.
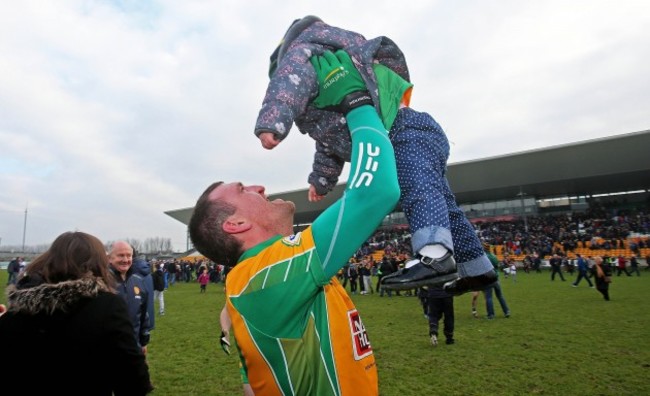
<point x="141" y="267"/>
<point x="48" y="298"/>
<point x="294" y="30"/>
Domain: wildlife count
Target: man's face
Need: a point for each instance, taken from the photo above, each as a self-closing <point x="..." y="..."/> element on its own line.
<point x="251" y="203"/>
<point x="121" y="257"/>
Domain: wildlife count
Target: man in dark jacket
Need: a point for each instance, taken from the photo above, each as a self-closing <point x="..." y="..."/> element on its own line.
<point x="131" y="287"/>
<point x="13" y="269"/>
<point x="386" y="267"/>
<point x="142" y="268"/>
<point x="556" y="266"/>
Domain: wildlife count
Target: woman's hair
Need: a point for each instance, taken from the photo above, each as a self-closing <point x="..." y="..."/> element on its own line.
<point x="73" y="255"/>
<point x="206" y="231"/>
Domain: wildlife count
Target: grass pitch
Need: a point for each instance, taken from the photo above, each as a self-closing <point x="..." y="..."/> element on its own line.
<point x="560" y="340"/>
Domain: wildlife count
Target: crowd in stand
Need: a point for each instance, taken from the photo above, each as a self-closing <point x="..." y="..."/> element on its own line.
<point x="545" y="235"/>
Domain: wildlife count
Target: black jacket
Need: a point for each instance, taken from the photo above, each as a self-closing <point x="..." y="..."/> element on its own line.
<point x="70" y="338"/>
<point x="158" y="280"/>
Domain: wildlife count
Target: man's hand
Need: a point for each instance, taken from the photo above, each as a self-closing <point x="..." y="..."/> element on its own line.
<point x="340" y="86"/>
<point x="225" y="342"/>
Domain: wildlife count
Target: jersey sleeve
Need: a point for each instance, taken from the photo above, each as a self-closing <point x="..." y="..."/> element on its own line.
<point x="371" y="192"/>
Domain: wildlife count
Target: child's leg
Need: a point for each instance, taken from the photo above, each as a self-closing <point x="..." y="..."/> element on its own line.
<point x="421" y="152"/>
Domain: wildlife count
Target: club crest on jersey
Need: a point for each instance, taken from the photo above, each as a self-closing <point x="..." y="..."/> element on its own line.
<point x="292" y="240"/>
<point x="360" y="342"/>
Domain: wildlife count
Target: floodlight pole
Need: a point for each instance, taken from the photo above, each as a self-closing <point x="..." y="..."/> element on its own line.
<point x="523" y="209"/>
<point x="24" y="228"/>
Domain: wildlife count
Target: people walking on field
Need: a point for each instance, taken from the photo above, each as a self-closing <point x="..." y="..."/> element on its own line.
<point x="537" y="263"/>
<point x="494" y="288"/>
<point x="353" y="275"/>
<point x="556" y="266"/>
<point x="621" y="266"/>
<point x="583" y="271"/>
<point x="513" y="271"/>
<point x="634" y="266"/>
<point x="440" y="306"/>
<point x="602" y="274"/>
<point x="13" y="269"/>
<point x="386" y="267"/>
<point x="159" y="288"/>
<point x="365" y="272"/>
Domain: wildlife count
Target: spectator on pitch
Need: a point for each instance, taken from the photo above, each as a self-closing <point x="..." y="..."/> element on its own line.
<point x="440" y="307"/>
<point x="131" y="287"/>
<point x="172" y="271"/>
<point x="386" y="267"/>
<point x="602" y="274"/>
<point x="495" y="287"/>
<point x="513" y="271"/>
<point x="537" y="263"/>
<point x="142" y="267"/>
<point x="583" y="271"/>
<point x="556" y="267"/>
<point x="634" y="265"/>
<point x="365" y="275"/>
<point x="13" y="269"/>
<point x="204" y="279"/>
<point x="159" y="288"/>
<point x="353" y="275"/>
<point x="621" y="266"/>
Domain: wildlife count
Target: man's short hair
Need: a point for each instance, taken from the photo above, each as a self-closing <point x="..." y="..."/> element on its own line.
<point x="206" y="231"/>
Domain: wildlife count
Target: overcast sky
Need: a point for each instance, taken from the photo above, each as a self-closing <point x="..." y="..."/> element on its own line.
<point x="112" y="112"/>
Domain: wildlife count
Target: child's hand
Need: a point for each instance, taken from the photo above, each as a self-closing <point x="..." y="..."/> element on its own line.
<point x="312" y="195"/>
<point x="268" y="140"/>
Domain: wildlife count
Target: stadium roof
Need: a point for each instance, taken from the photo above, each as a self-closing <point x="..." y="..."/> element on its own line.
<point x="618" y="163"/>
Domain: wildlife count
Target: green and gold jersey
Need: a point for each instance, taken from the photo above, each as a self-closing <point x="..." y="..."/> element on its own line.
<point x="297" y="330"/>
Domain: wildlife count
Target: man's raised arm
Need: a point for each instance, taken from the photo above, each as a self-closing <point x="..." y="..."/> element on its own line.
<point x="372" y="190"/>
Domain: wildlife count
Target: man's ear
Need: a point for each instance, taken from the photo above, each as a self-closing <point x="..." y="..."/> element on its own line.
<point x="234" y="225"/>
